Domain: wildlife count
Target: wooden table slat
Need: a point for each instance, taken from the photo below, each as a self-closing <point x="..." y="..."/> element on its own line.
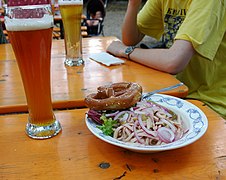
<point x="71" y="84"/>
<point x="77" y="154"/>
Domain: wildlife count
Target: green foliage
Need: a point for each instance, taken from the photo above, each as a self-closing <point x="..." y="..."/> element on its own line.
<point x="107" y="126"/>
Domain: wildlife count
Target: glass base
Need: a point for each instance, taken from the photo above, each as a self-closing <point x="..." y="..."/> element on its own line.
<point x="74" y="62"/>
<point x="43" y="132"/>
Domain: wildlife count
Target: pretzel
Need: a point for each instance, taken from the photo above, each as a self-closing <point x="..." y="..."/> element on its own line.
<point x="115" y="96"/>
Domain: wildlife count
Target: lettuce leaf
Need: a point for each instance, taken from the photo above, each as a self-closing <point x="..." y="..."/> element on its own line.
<point x="107" y="126"/>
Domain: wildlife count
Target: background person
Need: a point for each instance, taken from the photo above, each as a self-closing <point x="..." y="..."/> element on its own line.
<point x="95" y="16"/>
<point x="194" y="34"/>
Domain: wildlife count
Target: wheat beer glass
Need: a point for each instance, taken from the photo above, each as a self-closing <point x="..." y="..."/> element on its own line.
<point x="71" y="12"/>
<point x="30" y="33"/>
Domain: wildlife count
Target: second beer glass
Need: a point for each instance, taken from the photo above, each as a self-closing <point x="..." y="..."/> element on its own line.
<point x="71" y="12"/>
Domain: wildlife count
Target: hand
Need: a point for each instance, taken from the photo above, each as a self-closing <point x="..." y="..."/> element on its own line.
<point x="116" y="48"/>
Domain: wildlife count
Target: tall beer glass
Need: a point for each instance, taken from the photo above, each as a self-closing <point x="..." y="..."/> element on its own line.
<point x="30" y="33"/>
<point x="71" y="12"/>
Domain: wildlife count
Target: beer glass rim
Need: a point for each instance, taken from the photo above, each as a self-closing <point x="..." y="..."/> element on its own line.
<point x="16" y="22"/>
<point x="70" y="2"/>
<point x="36" y="6"/>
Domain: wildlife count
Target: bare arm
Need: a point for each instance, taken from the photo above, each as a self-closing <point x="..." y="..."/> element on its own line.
<point x="172" y="60"/>
<point x="130" y="33"/>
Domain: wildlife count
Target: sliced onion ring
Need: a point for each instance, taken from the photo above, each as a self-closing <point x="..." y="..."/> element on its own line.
<point x="165" y="134"/>
<point x="153" y="133"/>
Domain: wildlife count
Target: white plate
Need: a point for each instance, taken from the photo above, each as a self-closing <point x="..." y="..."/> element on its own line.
<point x="195" y="119"/>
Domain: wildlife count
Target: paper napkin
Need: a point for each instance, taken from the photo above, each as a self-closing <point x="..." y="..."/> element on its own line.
<point x="106" y="59"/>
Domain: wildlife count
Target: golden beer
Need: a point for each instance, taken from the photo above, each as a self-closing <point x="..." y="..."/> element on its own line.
<point x="37" y="88"/>
<point x="32" y="47"/>
<point x="71" y="12"/>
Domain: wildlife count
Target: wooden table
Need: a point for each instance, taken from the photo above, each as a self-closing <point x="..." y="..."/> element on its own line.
<point x="77" y="154"/>
<point x="71" y="84"/>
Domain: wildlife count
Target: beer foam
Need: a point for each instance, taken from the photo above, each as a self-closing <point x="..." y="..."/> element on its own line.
<point x="29" y="24"/>
<point x="70" y="2"/>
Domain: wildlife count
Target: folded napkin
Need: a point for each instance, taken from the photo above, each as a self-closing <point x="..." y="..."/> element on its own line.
<point x="106" y="59"/>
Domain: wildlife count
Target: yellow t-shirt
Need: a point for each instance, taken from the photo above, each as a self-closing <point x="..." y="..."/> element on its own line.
<point x="203" y="23"/>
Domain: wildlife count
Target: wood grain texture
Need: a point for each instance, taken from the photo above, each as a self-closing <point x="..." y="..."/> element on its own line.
<point x="71" y="84"/>
<point x="77" y="154"/>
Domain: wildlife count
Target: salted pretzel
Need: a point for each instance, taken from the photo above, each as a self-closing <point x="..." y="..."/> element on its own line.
<point x="115" y="96"/>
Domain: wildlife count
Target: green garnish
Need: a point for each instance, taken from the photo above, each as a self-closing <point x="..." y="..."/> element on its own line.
<point x="107" y="126"/>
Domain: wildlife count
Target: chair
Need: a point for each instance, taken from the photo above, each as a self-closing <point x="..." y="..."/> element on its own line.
<point x="3" y="35"/>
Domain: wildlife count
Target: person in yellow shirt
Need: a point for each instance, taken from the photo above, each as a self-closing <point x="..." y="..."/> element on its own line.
<point x="193" y="32"/>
